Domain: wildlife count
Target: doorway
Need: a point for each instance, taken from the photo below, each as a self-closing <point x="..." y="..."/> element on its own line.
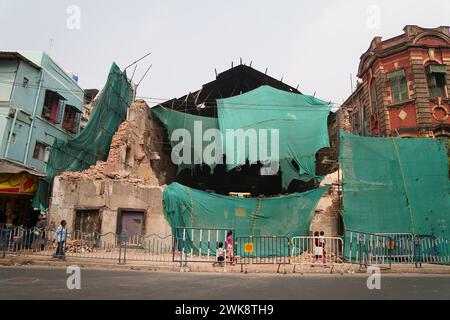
<point x="88" y="221"/>
<point x="131" y="223"/>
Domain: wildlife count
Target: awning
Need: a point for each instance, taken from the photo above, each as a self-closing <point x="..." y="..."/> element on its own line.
<point x="396" y="74"/>
<point x="60" y="96"/>
<point x="9" y="166"/>
<point x="436" y="68"/>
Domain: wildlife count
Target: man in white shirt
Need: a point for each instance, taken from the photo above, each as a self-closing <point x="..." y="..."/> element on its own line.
<point x="61" y="237"/>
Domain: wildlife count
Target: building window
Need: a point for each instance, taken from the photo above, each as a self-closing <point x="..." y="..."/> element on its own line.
<point x="364" y="130"/>
<point x="356" y="120"/>
<point x="399" y="88"/>
<point x="53" y="106"/>
<point x="25" y="82"/>
<point x="374" y="100"/>
<point x="88" y="221"/>
<point x="71" y="120"/>
<point x="436" y="80"/>
<point x="13" y="136"/>
<point x="41" y="152"/>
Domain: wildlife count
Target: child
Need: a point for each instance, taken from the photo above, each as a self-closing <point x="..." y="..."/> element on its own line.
<point x="220" y="254"/>
<point x="323" y="244"/>
<point x="317" y="248"/>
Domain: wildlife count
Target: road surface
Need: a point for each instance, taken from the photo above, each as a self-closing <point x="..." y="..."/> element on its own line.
<point x="50" y="283"/>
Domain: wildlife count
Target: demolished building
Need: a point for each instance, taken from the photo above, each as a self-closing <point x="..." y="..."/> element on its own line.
<point x="124" y="190"/>
<point x="125" y="193"/>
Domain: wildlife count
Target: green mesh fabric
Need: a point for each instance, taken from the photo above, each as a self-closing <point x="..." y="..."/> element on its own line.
<point x="290" y="172"/>
<point x="93" y="143"/>
<point x="174" y="120"/>
<point x="283" y="216"/>
<point x="301" y="121"/>
<point x="394" y="185"/>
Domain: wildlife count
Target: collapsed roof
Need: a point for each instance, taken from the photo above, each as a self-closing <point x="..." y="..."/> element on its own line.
<point x="232" y="82"/>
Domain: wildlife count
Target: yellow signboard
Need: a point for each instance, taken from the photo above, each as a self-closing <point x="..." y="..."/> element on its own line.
<point x="248" y="247"/>
<point x="20" y="183"/>
<point x="391" y="245"/>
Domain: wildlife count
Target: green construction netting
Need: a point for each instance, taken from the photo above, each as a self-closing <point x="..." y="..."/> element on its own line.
<point x="394" y="185"/>
<point x="93" y="143"/>
<point x="196" y="127"/>
<point x="283" y="216"/>
<point x="41" y="196"/>
<point x="301" y="121"/>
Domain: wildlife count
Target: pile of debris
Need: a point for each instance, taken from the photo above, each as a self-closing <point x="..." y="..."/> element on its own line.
<point x="309" y="258"/>
<point x="131" y="153"/>
<point x="77" y="246"/>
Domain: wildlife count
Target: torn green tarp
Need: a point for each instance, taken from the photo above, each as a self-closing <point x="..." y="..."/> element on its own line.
<point x="93" y="143"/>
<point x="300" y="120"/>
<point x="290" y="172"/>
<point x="395" y="185"/>
<point x="41" y="196"/>
<point x="284" y="216"/>
<point x="174" y="120"/>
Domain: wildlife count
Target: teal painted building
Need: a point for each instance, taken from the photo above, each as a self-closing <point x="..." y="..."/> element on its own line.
<point x="39" y="102"/>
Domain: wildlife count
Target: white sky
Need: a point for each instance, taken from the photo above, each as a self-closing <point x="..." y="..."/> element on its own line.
<point x="316" y="44"/>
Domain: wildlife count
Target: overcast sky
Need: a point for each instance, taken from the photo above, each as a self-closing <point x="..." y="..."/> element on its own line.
<point x="315" y="44"/>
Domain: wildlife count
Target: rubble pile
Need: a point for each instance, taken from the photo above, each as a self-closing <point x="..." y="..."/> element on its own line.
<point x="79" y="246"/>
<point x="131" y="153"/>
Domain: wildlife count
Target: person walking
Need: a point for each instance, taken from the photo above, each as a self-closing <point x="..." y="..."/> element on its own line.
<point x="38" y="233"/>
<point x="61" y="237"/>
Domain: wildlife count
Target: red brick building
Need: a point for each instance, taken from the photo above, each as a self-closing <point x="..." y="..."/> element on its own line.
<point x="404" y="86"/>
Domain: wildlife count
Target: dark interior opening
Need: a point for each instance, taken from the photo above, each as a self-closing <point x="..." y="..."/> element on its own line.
<point x="246" y="178"/>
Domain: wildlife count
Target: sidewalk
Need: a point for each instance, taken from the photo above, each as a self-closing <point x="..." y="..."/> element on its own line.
<point x="25" y="260"/>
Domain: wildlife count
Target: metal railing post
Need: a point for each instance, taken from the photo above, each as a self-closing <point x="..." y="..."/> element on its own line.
<point x="3" y="243"/>
<point x="120" y="248"/>
<point x="125" y="250"/>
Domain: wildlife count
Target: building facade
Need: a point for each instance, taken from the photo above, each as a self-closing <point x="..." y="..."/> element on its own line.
<point x="403" y="88"/>
<point x="39" y="102"/>
<point x="124" y="193"/>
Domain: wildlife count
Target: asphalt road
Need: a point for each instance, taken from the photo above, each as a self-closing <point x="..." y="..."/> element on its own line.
<point x="50" y="283"/>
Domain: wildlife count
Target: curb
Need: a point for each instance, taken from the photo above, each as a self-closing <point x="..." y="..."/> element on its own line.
<point x="19" y="261"/>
